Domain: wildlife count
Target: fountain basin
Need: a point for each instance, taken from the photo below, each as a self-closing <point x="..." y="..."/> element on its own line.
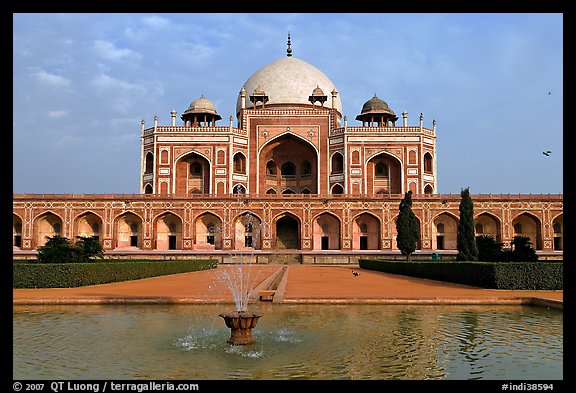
<point x="241" y="324"/>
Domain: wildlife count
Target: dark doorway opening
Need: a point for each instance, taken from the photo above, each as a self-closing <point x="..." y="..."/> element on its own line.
<point x="363" y="242"/>
<point x="439" y="242"/>
<point x="325" y="243"/>
<point x="133" y="241"/>
<point x="287" y="236"/>
<point x="171" y="242"/>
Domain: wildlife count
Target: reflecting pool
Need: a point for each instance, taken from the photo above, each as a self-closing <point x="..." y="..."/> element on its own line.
<point x="304" y="341"/>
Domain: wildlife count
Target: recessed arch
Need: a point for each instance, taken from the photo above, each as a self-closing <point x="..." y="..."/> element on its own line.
<point x="16" y="231"/>
<point x="530" y="226"/>
<point x="490" y="224"/>
<point x="247" y="231"/>
<point x="366" y="231"/>
<point x="207" y="231"/>
<point x="286" y="230"/>
<point x="288" y="161"/>
<point x="326" y="231"/>
<point x="337" y="189"/>
<point x="128" y="228"/>
<point x="88" y="224"/>
<point x="558" y="232"/>
<point x="148" y="189"/>
<point x="167" y="231"/>
<point x="239" y="162"/>
<point x="149" y="163"/>
<point x="390" y="182"/>
<point x="445" y="231"/>
<point x="336" y="163"/>
<point x="187" y="178"/>
<point x="47" y="224"/>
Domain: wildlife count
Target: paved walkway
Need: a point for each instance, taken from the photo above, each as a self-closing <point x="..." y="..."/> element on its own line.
<point x="288" y="284"/>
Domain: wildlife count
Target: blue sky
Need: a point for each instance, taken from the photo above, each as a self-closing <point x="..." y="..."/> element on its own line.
<point x="83" y="82"/>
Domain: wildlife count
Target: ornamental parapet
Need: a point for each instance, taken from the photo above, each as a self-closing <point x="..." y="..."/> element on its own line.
<point x="188" y="129"/>
<point x="381" y="130"/>
<point x="327" y="197"/>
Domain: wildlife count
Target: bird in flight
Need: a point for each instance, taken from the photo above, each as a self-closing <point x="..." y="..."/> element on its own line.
<point x="547" y="153"/>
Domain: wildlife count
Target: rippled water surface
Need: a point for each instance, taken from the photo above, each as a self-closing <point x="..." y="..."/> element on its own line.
<point x="292" y="342"/>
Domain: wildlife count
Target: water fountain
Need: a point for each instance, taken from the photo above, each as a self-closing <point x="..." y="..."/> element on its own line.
<point x="238" y="279"/>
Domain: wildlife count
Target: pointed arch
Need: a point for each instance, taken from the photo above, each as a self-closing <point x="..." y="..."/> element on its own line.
<point x="488" y="224"/>
<point x="366" y="231"/>
<point x="16" y="231"/>
<point x="286" y="229"/>
<point x="88" y="224"/>
<point x="45" y="225"/>
<point x="207" y="231"/>
<point x="326" y="231"/>
<point x="167" y="231"/>
<point x="128" y="230"/>
<point x="530" y="225"/>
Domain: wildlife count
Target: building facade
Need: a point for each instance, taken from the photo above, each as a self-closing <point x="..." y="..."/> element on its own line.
<point x="291" y="174"/>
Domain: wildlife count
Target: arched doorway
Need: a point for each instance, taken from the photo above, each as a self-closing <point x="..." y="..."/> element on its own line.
<point x="326" y="232"/>
<point x="384" y="175"/>
<point x="280" y="168"/>
<point x="365" y="232"/>
<point x="487" y="224"/>
<point x="16" y="232"/>
<point x="128" y="231"/>
<point x="558" y="232"/>
<point x="528" y="225"/>
<point x="88" y="225"/>
<point x="445" y="232"/>
<point x="168" y="232"/>
<point x="287" y="232"/>
<point x="247" y="232"/>
<point x="208" y="232"/>
<point x="45" y="226"/>
<point x="192" y="174"/>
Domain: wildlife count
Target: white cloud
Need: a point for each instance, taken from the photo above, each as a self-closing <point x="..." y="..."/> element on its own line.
<point x="56" y="114"/>
<point x="53" y="80"/>
<point x="105" y="82"/>
<point x="109" y="51"/>
<point x="155" y="21"/>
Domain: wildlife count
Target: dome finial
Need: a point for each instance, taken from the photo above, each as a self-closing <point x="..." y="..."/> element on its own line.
<point x="289" y="50"/>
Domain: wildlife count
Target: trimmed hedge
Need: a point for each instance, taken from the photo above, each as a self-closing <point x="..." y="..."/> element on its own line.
<point x="542" y="275"/>
<point x="68" y="275"/>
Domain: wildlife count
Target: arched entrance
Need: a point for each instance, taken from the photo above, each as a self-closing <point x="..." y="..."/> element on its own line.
<point x="208" y="232"/>
<point x="326" y="235"/>
<point x="445" y="232"/>
<point x="247" y="232"/>
<point x="487" y="224"/>
<point x="280" y="168"/>
<point x="558" y="231"/>
<point x="287" y="233"/>
<point x="88" y="225"/>
<point x="168" y="232"/>
<point x="528" y="225"/>
<point x="45" y="226"/>
<point x="192" y="175"/>
<point x="384" y="175"/>
<point x="16" y="232"/>
<point x="366" y="232"/>
<point x="128" y="231"/>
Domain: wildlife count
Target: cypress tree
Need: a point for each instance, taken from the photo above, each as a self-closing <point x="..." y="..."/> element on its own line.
<point x="407" y="227"/>
<point x="467" y="248"/>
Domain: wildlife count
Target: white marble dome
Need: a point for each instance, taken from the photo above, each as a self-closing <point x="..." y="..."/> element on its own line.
<point x="289" y="81"/>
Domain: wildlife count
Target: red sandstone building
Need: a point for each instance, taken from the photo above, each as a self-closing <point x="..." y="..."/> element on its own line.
<point x="291" y="175"/>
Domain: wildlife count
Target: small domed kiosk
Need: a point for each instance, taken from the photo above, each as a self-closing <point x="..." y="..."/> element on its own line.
<point x="201" y="113"/>
<point x="376" y="113"/>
